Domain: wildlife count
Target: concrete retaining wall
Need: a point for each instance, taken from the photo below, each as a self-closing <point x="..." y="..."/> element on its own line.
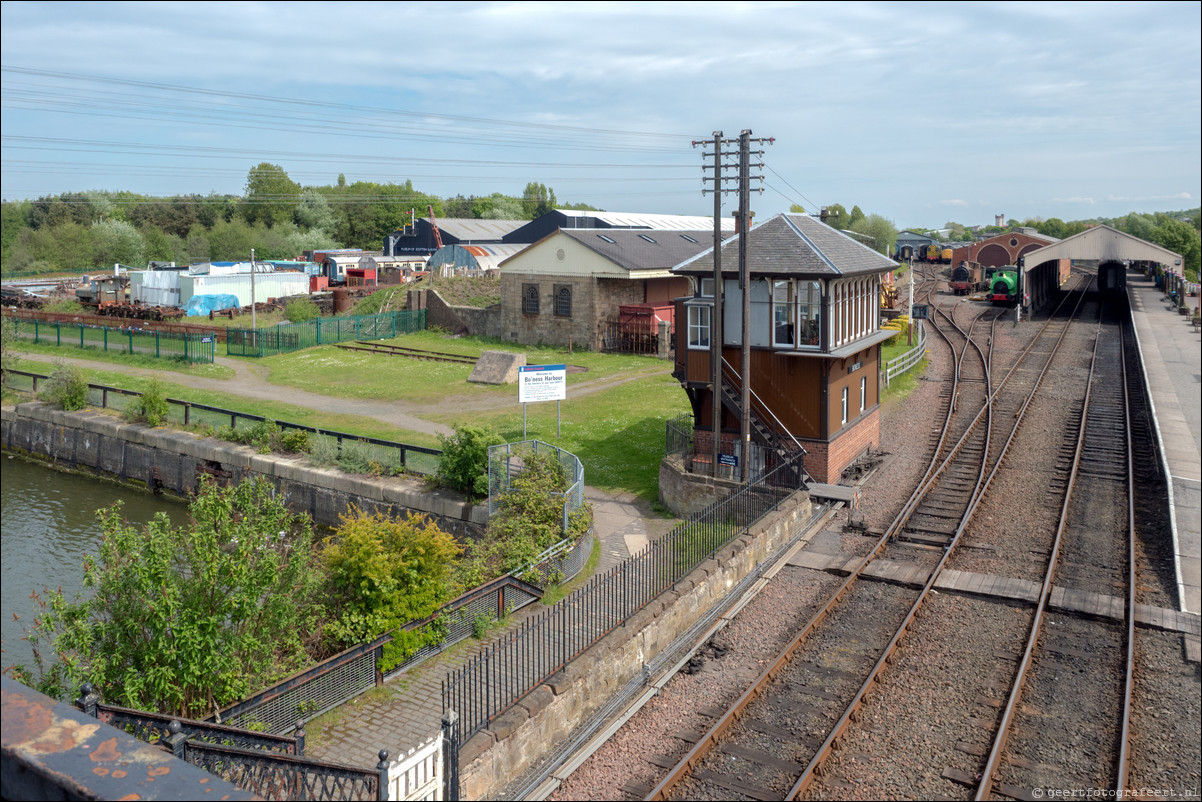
<point x="548" y="715"/>
<point x="172" y="461"/>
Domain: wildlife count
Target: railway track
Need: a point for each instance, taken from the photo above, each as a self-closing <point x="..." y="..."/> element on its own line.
<point x="397" y="350"/>
<point x="841" y="652"/>
<point x="1076" y="674"/>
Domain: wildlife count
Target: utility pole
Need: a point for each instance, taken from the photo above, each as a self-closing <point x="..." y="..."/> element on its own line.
<point x="717" y="331"/>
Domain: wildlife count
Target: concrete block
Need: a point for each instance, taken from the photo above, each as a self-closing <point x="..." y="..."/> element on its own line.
<point x="537" y="700"/>
<point x="476" y="746"/>
<point x="559" y="682"/>
<point x="504" y="725"/>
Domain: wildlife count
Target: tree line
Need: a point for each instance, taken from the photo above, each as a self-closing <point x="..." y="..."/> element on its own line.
<point x="276" y="216"/>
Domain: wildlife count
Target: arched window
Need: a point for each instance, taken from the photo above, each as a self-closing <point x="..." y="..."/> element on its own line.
<point x="530" y="299"/>
<point x="563" y="301"/>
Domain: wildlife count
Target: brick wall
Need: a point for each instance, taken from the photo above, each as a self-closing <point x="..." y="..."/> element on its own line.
<point x="825" y="461"/>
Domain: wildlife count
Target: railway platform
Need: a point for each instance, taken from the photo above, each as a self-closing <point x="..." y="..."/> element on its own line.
<point x="1171" y="350"/>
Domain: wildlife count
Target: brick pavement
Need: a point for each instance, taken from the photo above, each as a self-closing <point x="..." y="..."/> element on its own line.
<point x="406" y="711"/>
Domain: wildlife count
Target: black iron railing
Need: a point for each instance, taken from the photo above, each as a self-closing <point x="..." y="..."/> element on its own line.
<point x="287" y="777"/>
<point x="498" y="677"/>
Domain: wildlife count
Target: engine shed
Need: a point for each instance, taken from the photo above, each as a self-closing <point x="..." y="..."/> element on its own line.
<point x="1108" y="248"/>
<point x="815" y="341"/>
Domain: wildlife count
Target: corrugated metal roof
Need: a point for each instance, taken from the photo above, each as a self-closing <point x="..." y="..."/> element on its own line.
<point x="663" y="222"/>
<point x="486" y="257"/>
<point x="792" y="245"/>
<point x="470" y="229"/>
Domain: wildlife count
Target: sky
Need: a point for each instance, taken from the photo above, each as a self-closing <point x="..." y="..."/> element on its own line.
<point x="921" y="112"/>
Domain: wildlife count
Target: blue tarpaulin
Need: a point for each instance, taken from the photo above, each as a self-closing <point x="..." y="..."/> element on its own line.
<point x="203" y="304"/>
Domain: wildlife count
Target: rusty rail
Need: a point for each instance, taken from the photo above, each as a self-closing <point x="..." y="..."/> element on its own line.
<point x="1014" y="700"/>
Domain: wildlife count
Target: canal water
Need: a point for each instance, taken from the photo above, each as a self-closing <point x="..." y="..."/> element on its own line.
<point x="47" y="524"/>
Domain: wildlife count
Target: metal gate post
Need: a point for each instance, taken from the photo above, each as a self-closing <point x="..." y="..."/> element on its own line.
<point x="450" y="756"/>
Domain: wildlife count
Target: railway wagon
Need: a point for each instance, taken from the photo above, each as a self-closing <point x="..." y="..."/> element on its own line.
<point x="966" y="278"/>
<point x="1003" y="288"/>
<point x="1112" y="277"/>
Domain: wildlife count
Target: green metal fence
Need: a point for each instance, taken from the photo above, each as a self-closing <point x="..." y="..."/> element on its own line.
<point x="159" y="344"/>
<point x="322" y="331"/>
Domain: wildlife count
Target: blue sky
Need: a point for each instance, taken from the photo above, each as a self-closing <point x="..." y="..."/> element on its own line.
<point x="922" y="112"/>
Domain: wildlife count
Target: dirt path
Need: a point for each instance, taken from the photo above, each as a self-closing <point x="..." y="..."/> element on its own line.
<point x="251" y="381"/>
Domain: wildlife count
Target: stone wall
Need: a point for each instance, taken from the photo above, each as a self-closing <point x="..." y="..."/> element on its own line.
<point x="473" y="320"/>
<point x="166" y="460"/>
<point x="546" y="327"/>
<point x="687" y="493"/>
<point x="548" y="715"/>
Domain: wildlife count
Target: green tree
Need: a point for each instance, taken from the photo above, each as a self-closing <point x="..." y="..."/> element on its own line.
<point x="882" y="231"/>
<point x="796" y="208"/>
<point x="314" y="212"/>
<point x="836" y="215"/>
<point x="183" y="621"/>
<point x="1180" y="238"/>
<point x="853" y="217"/>
<point x="230" y="241"/>
<point x="271" y="196"/>
<point x="117" y="241"/>
<point x="502" y="207"/>
<point x="537" y="200"/>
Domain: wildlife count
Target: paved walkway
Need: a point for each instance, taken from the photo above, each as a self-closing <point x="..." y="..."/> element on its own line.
<point x="1172" y="353"/>
<point x="406" y="712"/>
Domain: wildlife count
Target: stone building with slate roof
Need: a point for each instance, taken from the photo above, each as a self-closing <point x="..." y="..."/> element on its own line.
<point x="569" y="286"/>
<point x="815" y="345"/>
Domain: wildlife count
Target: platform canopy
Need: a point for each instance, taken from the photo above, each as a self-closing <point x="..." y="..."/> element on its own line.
<point x="1102" y="244"/>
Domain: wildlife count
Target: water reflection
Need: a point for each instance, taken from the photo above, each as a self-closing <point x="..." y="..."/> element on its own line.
<point x="47" y="525"/>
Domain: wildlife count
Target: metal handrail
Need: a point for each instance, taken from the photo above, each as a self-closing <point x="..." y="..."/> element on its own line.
<point x="759" y="402"/>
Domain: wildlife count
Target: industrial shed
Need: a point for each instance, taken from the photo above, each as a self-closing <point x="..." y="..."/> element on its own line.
<point x="1101" y="245"/>
<point x="470" y="260"/>
<point x="419" y="239"/>
<point x="567" y="287"/>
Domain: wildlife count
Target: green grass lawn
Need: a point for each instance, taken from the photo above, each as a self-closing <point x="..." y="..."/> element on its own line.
<point x="357" y="374"/>
<point x="618" y="434"/>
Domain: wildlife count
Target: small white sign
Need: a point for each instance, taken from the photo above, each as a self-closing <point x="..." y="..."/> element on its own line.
<point x="542" y="383"/>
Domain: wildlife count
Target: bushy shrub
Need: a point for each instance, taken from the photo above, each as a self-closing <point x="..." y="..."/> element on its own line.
<point x="385" y="572"/>
<point x="67" y="389"/>
<point x="295" y="441"/>
<point x="299" y="310"/>
<point x="266" y="436"/>
<point x="151" y="407"/>
<point x="464" y="462"/>
<point x="530" y="515"/>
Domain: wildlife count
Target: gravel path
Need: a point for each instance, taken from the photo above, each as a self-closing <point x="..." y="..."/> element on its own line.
<point x="935" y="700"/>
